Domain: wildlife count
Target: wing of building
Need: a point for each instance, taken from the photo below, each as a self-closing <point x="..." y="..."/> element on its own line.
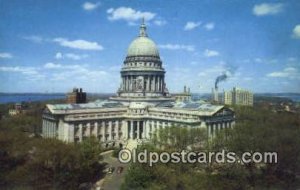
<point x="141" y="107"/>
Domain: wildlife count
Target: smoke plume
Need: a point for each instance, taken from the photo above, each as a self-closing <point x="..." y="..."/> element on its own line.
<point x="229" y="71"/>
<point x="220" y="78"/>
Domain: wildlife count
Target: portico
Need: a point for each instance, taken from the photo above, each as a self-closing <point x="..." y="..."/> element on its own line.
<point x="136" y="129"/>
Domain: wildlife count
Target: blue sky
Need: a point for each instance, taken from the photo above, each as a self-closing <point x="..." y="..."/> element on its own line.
<point x="53" y="46"/>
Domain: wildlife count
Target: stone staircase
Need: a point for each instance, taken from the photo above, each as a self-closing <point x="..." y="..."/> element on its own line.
<point x="131" y="144"/>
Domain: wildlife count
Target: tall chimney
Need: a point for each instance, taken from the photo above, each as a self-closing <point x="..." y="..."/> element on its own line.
<point x="216" y="95"/>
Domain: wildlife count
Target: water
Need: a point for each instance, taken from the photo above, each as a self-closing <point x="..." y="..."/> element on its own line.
<point x="295" y="98"/>
<point x="13" y="98"/>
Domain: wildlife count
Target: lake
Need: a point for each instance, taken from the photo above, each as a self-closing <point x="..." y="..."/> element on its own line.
<point x="13" y="98"/>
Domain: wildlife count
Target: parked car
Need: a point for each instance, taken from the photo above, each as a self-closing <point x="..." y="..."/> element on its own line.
<point x="111" y="170"/>
<point x="120" y="169"/>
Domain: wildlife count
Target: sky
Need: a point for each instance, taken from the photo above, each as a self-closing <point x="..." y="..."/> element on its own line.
<point x="54" y="45"/>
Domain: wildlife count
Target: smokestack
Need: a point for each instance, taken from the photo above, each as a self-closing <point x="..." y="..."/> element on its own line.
<point x="216" y="95"/>
<point x="184" y="89"/>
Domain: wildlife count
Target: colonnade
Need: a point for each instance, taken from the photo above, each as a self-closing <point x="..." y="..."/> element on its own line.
<point x="49" y="128"/>
<point x="151" y="83"/>
<point x="213" y="128"/>
<point x="103" y="130"/>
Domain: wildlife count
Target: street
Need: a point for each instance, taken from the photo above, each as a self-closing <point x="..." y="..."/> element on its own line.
<point x="114" y="180"/>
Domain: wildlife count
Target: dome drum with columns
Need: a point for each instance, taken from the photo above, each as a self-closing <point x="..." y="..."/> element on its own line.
<point x="142" y="74"/>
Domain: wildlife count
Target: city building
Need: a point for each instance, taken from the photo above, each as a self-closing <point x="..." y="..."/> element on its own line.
<point x="141" y="107"/>
<point x="77" y="96"/>
<point x="18" y="109"/>
<point x="238" y="96"/>
<point x="184" y="96"/>
<point x="215" y="96"/>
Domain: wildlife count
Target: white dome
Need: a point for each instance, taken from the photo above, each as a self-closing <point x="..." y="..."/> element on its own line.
<point x="142" y="46"/>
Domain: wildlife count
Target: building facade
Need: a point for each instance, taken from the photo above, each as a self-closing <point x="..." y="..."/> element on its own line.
<point x="77" y="96"/>
<point x="238" y="96"/>
<point x="184" y="96"/>
<point x="140" y="108"/>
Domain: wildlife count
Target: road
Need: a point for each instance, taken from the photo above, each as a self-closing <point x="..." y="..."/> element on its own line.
<point x="113" y="181"/>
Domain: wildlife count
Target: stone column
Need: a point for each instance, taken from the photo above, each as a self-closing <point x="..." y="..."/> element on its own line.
<point x="128" y="83"/>
<point x="138" y="130"/>
<point x="110" y="130"/>
<point x="128" y="78"/>
<point x="208" y="130"/>
<point x="80" y="132"/>
<point x="159" y="84"/>
<point x="152" y="129"/>
<point x="95" y="131"/>
<point x="145" y="130"/>
<point x="131" y="129"/>
<point x="103" y="131"/>
<point x="154" y="83"/>
<point x="215" y="129"/>
<point x="117" y="129"/>
<point x="88" y="129"/>
<point x="125" y="81"/>
<point x="148" y="83"/>
<point x="123" y="84"/>
<point x="163" y="84"/>
<point x="124" y="129"/>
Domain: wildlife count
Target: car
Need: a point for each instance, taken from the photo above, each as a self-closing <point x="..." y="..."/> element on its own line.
<point x="120" y="169"/>
<point x="111" y="170"/>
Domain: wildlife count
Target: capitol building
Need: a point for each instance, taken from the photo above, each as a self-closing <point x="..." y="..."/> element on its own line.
<point x="141" y="106"/>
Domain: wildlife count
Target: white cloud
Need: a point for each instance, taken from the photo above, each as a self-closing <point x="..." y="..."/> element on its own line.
<point x="58" y="55"/>
<point x="248" y="78"/>
<point x="288" y="72"/>
<point x="209" y="26"/>
<point x="81" y="72"/>
<point x="76" y="56"/>
<point x="128" y="14"/>
<point x="51" y="65"/>
<point x="267" y="9"/>
<point x="211" y="53"/>
<point x="291" y="59"/>
<point x="160" y="22"/>
<point x="73" y="56"/>
<point x="31" y="73"/>
<point x="35" y="39"/>
<point x="78" y="44"/>
<point x="296" y="31"/>
<point x="258" y="60"/>
<point x="191" y="25"/>
<point x="177" y="47"/>
<point x="88" y="6"/>
<point x="6" y="55"/>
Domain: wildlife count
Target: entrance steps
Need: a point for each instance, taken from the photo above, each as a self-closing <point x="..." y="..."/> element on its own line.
<point x="131" y="144"/>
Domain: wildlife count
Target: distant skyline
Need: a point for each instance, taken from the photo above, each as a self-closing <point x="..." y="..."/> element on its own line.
<point x="53" y="46"/>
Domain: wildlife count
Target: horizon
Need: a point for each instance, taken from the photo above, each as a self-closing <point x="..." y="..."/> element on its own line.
<point x="115" y="93"/>
<point x="84" y="43"/>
